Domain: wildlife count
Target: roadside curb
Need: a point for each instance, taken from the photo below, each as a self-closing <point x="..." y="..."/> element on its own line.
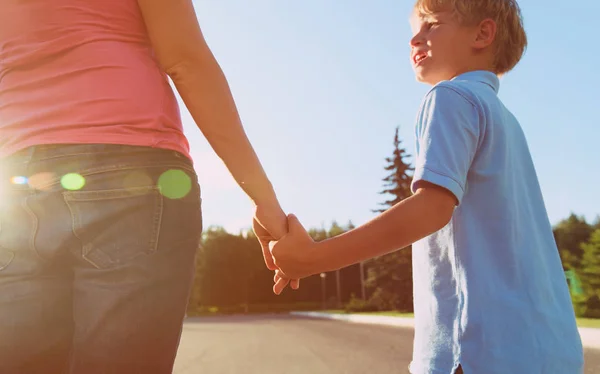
<point x="590" y="337"/>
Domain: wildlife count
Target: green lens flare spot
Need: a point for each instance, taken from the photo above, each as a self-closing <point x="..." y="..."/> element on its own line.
<point x="72" y="181"/>
<point x="174" y="184"/>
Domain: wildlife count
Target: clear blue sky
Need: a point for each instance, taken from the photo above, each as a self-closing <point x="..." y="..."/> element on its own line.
<point x="321" y="85"/>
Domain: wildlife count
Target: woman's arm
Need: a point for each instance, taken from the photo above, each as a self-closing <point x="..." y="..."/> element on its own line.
<point x="184" y="55"/>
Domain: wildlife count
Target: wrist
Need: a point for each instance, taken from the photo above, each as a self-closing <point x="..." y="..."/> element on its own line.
<point x="264" y="196"/>
<point x="323" y="259"/>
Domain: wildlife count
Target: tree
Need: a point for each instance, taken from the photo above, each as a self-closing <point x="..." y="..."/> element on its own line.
<point x="397" y="182"/>
<point x="226" y="268"/>
<point x="317" y="234"/>
<point x="596" y="224"/>
<point x="589" y="274"/>
<point x="389" y="277"/>
<point x="569" y="234"/>
<point x="336" y="230"/>
<point x="231" y="276"/>
<point x="350" y="226"/>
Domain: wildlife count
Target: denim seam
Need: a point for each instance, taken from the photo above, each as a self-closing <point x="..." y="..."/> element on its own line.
<point x="101" y="170"/>
<point x="34" y="229"/>
<point x="74" y="221"/>
<point x="157" y="221"/>
<point x="121" y="193"/>
<point x="33" y="149"/>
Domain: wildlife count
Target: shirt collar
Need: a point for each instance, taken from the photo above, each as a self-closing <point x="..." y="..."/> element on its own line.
<point x="482" y="76"/>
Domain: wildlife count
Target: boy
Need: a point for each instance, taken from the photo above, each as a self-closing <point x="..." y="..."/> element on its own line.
<point x="490" y="295"/>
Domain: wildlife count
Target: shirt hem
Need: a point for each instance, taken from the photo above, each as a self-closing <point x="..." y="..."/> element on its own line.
<point x="161" y="144"/>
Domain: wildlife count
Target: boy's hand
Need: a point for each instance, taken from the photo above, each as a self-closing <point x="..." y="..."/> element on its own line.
<point x="294" y="254"/>
<point x="271" y="224"/>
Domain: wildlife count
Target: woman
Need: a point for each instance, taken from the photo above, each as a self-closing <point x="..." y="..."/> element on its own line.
<point x="100" y="208"/>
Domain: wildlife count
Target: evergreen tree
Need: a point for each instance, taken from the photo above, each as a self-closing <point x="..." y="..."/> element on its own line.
<point x="397" y="182"/>
<point x="389" y="277"/>
<point x="350" y="226"/>
<point x="335" y="230"/>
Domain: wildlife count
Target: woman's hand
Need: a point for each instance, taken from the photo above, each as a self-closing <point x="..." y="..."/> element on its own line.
<point x="270" y="224"/>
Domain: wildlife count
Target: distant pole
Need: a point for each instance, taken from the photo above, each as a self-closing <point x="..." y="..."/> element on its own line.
<point x="323" y="291"/>
<point x="339" y="287"/>
<point x="362" y="281"/>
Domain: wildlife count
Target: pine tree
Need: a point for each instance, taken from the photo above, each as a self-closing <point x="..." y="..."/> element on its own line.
<point x="397" y="182"/>
<point x="390" y="276"/>
<point x="350" y="226"/>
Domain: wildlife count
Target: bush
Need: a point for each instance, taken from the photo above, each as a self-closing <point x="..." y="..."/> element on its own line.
<point x="586" y="307"/>
<point x="359" y="305"/>
<point x="384" y="300"/>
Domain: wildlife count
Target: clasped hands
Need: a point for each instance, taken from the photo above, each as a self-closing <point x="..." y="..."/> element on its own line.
<point x="286" y="246"/>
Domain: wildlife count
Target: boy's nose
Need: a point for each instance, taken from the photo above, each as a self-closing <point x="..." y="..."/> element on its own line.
<point x="416" y="40"/>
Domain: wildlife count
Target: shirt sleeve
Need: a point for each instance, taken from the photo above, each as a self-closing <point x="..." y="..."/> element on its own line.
<point x="447" y="132"/>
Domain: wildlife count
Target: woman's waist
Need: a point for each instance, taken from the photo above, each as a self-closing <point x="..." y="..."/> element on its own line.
<point x="111" y="98"/>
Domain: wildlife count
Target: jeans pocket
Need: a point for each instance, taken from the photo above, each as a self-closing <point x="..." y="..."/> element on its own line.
<point x="116" y="226"/>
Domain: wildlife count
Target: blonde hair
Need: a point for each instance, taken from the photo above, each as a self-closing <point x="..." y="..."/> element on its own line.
<point x="511" y="40"/>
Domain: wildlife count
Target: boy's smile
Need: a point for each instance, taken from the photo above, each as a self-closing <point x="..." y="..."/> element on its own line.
<point x="418" y="57"/>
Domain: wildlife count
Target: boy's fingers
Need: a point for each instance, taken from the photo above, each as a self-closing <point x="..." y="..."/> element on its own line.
<point x="295" y="283"/>
<point x="277" y="275"/>
<point x="280" y="285"/>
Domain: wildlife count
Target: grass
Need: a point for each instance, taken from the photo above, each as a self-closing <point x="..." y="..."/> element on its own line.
<point x="588" y="322"/>
<point x="382" y="313"/>
<point x="581" y="322"/>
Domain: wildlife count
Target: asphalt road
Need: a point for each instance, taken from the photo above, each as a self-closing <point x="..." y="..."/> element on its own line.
<point x="278" y="344"/>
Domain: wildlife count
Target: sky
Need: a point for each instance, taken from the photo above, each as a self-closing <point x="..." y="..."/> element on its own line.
<point x="322" y="85"/>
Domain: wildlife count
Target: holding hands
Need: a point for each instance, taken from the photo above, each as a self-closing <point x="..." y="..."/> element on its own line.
<point x="287" y="248"/>
<point x="295" y="254"/>
<point x="269" y="224"/>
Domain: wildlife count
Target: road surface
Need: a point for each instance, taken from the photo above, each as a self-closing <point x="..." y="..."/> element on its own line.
<point x="277" y="344"/>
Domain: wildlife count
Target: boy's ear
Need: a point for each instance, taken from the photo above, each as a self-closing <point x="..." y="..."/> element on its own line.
<point x="486" y="33"/>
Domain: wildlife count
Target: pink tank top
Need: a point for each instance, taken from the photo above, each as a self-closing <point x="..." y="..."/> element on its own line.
<point x="82" y="71"/>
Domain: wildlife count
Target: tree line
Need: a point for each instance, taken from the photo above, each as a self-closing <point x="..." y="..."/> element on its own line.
<point x="231" y="276"/>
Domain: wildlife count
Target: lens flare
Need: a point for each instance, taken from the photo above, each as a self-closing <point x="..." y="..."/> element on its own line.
<point x="72" y="181"/>
<point x="42" y="181"/>
<point x="18" y="180"/>
<point x="174" y="184"/>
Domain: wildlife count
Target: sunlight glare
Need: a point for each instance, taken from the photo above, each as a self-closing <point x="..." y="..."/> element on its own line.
<point x="174" y="184"/>
<point x="72" y="181"/>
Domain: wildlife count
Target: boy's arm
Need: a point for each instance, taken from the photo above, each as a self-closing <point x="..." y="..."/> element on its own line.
<point x="412" y="219"/>
<point x="448" y="133"/>
<point x="448" y="130"/>
<point x="427" y="211"/>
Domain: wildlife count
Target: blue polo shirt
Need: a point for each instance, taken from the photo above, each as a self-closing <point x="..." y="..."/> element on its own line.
<point x="489" y="289"/>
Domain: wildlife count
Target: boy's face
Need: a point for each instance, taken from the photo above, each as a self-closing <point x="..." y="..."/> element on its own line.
<point x="440" y="47"/>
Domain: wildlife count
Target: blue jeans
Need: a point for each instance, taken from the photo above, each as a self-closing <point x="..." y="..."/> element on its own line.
<point x="97" y="258"/>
